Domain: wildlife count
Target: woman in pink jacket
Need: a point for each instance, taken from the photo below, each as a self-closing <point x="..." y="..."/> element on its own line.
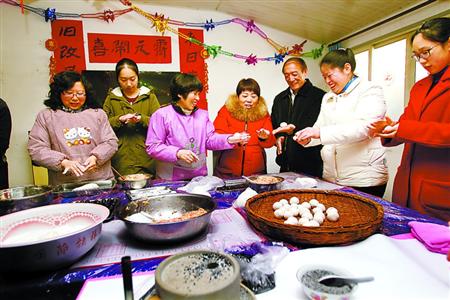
<point x="72" y="137"/>
<point x="423" y="177"/>
<point x="180" y="134"/>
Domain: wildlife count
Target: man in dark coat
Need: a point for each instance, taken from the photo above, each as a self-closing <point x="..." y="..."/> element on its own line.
<point x="5" y="134"/>
<point x="293" y="109"/>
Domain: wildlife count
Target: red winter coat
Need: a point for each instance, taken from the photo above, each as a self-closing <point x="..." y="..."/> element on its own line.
<point x="423" y="177"/>
<point x="231" y="119"/>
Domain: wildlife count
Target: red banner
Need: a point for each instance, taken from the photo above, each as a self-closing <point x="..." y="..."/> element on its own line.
<point x="69" y="51"/>
<point x="110" y="48"/>
<point x="191" y="60"/>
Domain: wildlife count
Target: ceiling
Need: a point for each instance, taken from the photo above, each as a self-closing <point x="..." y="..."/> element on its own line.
<point x="322" y="21"/>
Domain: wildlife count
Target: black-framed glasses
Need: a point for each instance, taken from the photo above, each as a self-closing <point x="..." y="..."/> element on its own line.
<point x="424" y="54"/>
<point x="71" y="94"/>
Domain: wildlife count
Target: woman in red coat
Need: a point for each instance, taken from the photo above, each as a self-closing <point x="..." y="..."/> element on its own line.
<point x="423" y="178"/>
<point x="245" y="111"/>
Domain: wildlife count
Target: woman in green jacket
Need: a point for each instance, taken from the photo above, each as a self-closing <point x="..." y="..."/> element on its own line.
<point x="129" y="108"/>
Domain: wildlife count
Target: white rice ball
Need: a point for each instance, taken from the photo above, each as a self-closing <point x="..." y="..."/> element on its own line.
<point x="306" y="205"/>
<point x="321" y="206"/>
<point x="279" y="213"/>
<point x="294" y="200"/>
<point x="333" y="216"/>
<point x="314" y="202"/>
<point x="276" y="205"/>
<point x="283" y="201"/>
<point x="330" y="209"/>
<point x="288" y="213"/>
<point x="312" y="223"/>
<point x="283" y="124"/>
<point x="302" y="221"/>
<point x="291" y="221"/>
<point x="319" y="217"/>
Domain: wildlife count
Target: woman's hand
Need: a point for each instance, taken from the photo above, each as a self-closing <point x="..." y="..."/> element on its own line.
<point x="304" y="136"/>
<point x="130" y="118"/>
<point x="389" y="132"/>
<point x="263" y="134"/>
<point x="90" y="164"/>
<point x="377" y="126"/>
<point x="72" y="166"/>
<point x="239" y="138"/>
<point x="288" y="129"/>
<point x="187" y="156"/>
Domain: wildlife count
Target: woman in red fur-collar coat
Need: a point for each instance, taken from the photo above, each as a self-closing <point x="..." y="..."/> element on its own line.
<point x="245" y="111"/>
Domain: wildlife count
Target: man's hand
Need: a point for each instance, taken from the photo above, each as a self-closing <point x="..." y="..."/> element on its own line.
<point x="280" y="144"/>
<point x="288" y="129"/>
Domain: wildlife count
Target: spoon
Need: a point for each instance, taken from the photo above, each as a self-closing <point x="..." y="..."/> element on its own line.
<point x="117" y="172"/>
<point x="338" y="281"/>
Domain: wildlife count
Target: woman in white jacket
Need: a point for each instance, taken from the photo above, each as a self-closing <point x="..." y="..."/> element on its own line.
<point x="350" y="156"/>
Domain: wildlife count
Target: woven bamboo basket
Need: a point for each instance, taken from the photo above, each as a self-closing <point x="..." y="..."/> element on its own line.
<point x="359" y="217"/>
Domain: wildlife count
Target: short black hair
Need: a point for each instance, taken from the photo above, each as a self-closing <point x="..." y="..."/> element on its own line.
<point x="339" y="57"/>
<point x="64" y="81"/>
<point x="182" y="84"/>
<point x="126" y="62"/>
<point x="248" y="84"/>
<point x="437" y="30"/>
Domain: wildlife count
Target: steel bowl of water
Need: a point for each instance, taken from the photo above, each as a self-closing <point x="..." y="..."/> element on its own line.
<point x="24" y="197"/>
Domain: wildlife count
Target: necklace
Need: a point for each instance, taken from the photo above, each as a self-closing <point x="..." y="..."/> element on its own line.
<point x="348" y="84"/>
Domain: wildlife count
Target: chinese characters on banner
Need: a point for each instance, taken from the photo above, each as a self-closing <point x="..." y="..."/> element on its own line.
<point x="110" y="48"/>
<point x="192" y="62"/>
<point x="69" y="51"/>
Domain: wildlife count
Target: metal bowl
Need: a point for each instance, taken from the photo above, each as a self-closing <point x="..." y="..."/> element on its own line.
<point x="166" y="204"/>
<point x="255" y="184"/>
<point x="135" y="181"/>
<point x="24" y="197"/>
<point x="72" y="189"/>
<point x="49" y="237"/>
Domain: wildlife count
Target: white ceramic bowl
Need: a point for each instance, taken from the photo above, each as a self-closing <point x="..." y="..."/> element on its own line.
<point x="49" y="237"/>
<point x="317" y="291"/>
<point x="199" y="275"/>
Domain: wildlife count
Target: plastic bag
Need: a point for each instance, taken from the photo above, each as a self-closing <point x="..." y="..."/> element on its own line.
<point x="258" y="272"/>
<point x="298" y="183"/>
<point x="202" y="184"/>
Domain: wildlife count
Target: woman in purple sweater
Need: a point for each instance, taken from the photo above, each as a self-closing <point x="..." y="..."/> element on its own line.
<point x="72" y="137"/>
<point x="179" y="134"/>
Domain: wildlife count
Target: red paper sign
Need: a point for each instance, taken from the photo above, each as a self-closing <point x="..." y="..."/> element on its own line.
<point x="69" y="51"/>
<point x="192" y="62"/>
<point x="110" y="48"/>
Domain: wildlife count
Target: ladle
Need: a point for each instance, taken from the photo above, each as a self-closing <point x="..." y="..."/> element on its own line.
<point x="337" y="281"/>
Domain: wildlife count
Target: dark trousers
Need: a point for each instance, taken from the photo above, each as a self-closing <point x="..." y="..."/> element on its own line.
<point x="4" y="184"/>
<point x="373" y="190"/>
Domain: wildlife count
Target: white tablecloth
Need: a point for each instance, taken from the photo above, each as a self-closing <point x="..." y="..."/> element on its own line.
<point x="403" y="269"/>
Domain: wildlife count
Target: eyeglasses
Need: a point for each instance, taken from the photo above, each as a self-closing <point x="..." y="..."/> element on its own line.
<point x="77" y="94"/>
<point x="425" y="54"/>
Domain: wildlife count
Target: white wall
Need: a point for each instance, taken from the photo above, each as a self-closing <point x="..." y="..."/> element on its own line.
<point x="24" y="62"/>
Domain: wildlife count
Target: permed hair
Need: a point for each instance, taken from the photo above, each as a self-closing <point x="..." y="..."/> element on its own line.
<point x="66" y="80"/>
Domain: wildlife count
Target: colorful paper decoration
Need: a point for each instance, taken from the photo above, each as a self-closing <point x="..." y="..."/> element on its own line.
<point x="161" y="25"/>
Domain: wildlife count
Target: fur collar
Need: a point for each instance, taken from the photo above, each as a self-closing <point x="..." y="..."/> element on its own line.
<point x="254" y="114"/>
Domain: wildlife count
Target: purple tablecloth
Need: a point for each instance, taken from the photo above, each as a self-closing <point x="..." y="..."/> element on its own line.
<point x="395" y="222"/>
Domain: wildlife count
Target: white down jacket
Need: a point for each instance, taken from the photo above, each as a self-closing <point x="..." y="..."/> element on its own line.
<point x="350" y="157"/>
